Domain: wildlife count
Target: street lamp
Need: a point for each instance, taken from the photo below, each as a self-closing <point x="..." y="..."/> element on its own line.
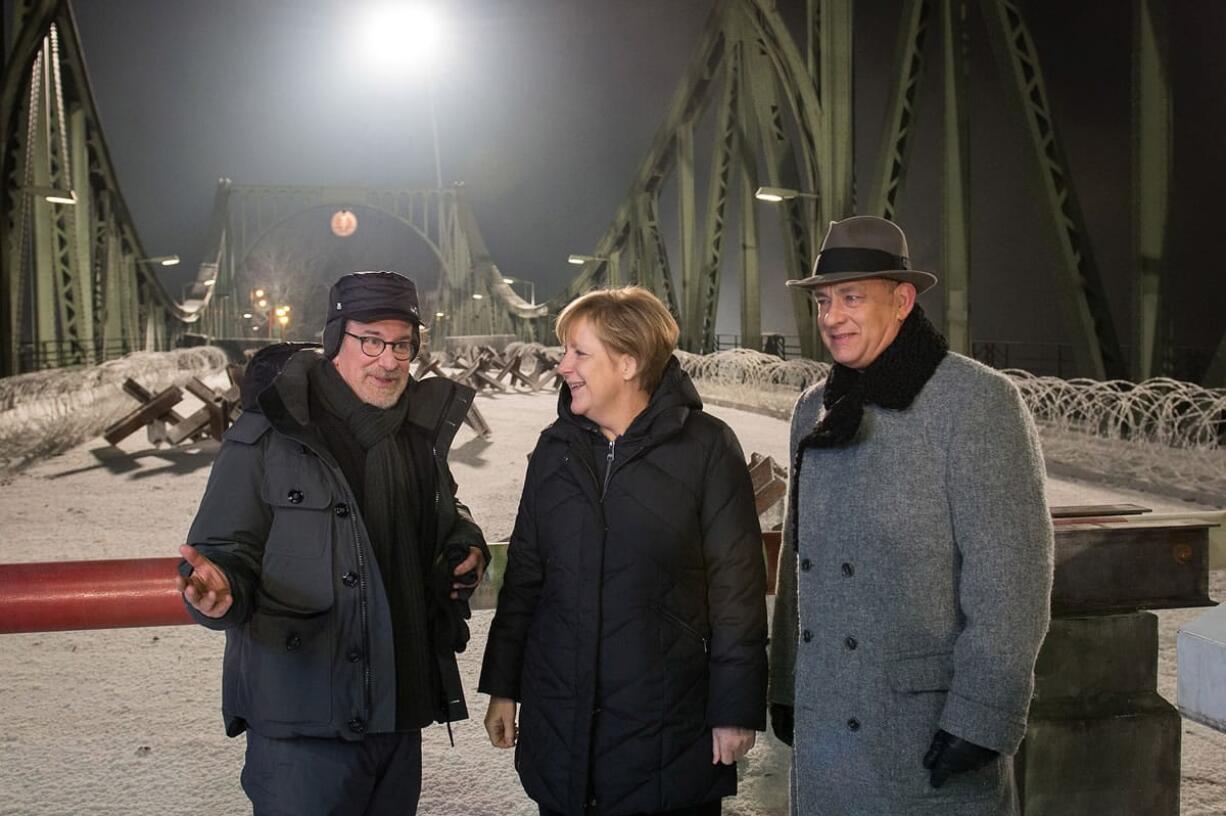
<point x="531" y="288"/>
<point x="579" y="260"/>
<point x="777" y="194"/>
<point x="399" y="38"/>
<point x="53" y="195"/>
<point x="166" y="260"/>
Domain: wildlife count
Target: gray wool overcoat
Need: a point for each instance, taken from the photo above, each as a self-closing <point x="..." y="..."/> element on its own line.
<point x="914" y="592"/>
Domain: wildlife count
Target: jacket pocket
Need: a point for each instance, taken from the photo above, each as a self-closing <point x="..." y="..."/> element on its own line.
<point x="298" y="493"/>
<point x="686" y="629"/>
<point x="288" y="670"/>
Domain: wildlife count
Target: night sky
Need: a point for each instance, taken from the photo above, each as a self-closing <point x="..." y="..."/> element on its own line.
<point x="546" y="107"/>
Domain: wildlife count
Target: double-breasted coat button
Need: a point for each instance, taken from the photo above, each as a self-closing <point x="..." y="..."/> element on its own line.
<point x="806" y="564"/>
<point x="341" y="510"/>
<point x="350" y="579"/>
<point x="850" y="642"/>
<point x="294" y="496"/>
<point x="354" y="655"/>
<point x="806" y="636"/>
<point x="853" y="724"/>
<point x="292" y="642"/>
<point x="848" y="570"/>
<point x="356" y="725"/>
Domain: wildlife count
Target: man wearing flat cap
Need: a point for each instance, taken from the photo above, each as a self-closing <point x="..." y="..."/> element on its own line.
<point x="915" y="581"/>
<point x="332" y="550"/>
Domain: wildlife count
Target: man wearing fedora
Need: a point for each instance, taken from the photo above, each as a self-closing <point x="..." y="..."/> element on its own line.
<point x="914" y="587"/>
<point x="332" y="550"/>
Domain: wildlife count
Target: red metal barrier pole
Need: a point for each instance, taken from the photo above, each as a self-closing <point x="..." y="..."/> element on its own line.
<point x="54" y="596"/>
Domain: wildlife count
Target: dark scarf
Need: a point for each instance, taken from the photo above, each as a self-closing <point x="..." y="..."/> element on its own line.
<point x="892" y="381"/>
<point x="395" y="471"/>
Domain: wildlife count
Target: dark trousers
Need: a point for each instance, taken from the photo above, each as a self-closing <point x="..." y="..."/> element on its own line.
<point x="705" y="809"/>
<point x="290" y="777"/>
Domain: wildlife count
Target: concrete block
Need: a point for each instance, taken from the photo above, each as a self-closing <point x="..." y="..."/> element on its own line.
<point x="1093" y="656"/>
<point x="1201" y="649"/>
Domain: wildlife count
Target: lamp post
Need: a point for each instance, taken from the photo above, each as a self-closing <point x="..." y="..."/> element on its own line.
<point x="777" y="194"/>
<point x="531" y="288"/>
<point x="52" y="195"/>
<point x="164" y="260"/>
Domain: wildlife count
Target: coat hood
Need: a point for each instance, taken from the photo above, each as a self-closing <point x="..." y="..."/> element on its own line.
<point x="436" y="404"/>
<point x="666" y="412"/>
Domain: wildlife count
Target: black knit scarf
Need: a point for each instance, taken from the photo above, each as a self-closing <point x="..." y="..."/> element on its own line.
<point x="892" y="381"/>
<point x="397" y="483"/>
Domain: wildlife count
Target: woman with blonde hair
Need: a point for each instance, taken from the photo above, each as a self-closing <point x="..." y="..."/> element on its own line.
<point x="630" y="635"/>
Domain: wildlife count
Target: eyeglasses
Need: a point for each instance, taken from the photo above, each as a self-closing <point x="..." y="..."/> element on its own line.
<point x="373" y="346"/>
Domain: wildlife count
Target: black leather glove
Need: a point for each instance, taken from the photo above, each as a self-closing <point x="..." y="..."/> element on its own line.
<point x="467" y="581"/>
<point x="782" y="722"/>
<point x="448" y="614"/>
<point x="950" y="755"/>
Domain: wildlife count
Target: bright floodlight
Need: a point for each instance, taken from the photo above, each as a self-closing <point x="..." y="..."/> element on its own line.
<point x="477" y="295"/>
<point x="401" y="36"/>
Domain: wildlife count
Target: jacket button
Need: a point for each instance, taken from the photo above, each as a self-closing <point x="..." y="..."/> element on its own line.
<point x="292" y="642"/>
<point x="850" y="642"/>
<point x="350" y="579"/>
<point x="354" y="655"/>
<point x="853" y="724"/>
<point x="294" y="496"/>
<point x="848" y="570"/>
<point x="806" y="564"/>
<point x="806" y="635"/>
<point x="357" y="726"/>
<point x="341" y="510"/>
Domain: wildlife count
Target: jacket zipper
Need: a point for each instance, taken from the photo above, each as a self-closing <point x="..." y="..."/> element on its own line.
<point x="608" y="469"/>
<point x="685" y="626"/>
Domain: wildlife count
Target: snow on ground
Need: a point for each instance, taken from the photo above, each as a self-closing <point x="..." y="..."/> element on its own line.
<point x="127" y="721"/>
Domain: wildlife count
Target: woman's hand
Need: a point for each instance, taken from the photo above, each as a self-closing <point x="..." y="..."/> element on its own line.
<point x="500" y="722"/>
<point x="728" y="743"/>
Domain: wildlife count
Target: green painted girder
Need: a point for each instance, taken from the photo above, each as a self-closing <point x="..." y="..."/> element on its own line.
<point x="57" y="260"/>
<point x="896" y="142"/>
<point x="1082" y="295"/>
<point x="1152" y="158"/>
<point x="836" y="147"/>
<point x="706" y="296"/>
<point x="633" y="236"/>
<point x="956" y="186"/>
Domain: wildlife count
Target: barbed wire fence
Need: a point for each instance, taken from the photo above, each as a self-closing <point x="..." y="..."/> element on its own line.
<point x="1161" y="435"/>
<point x="47" y="412"/>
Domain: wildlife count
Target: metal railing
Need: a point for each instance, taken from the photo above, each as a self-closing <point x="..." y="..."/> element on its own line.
<point x="67" y="353"/>
<point x="783" y="346"/>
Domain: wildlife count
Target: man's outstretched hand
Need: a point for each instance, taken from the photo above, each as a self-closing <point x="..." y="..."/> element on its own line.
<point x="950" y="755"/>
<point x="208" y="589"/>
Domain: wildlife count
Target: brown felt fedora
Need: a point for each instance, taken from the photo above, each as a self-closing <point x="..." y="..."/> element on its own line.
<point x="864" y="246"/>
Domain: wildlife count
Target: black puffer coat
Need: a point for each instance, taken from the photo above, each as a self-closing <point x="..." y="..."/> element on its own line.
<point x="309" y="649"/>
<point x="632" y="617"/>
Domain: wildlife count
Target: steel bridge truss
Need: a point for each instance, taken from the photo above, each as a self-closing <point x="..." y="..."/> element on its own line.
<point x="785" y="121"/>
<point x="472" y="296"/>
<point x="74" y="286"/>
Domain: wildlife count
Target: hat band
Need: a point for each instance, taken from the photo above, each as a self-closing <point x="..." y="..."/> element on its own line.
<point x="858" y="259"/>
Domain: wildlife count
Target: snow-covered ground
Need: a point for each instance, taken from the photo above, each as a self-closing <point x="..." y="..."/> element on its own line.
<point x="128" y="722"/>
